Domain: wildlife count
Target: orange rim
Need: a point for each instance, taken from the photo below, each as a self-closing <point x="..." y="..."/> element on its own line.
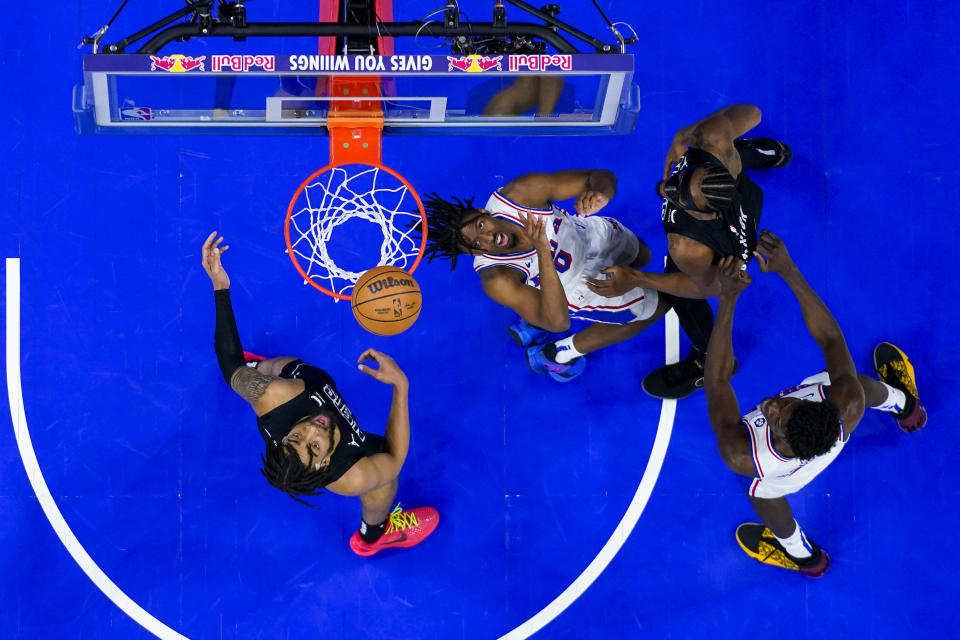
<point x="307" y="182"/>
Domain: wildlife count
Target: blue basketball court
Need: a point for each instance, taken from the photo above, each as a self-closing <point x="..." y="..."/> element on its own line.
<point x="582" y="510"/>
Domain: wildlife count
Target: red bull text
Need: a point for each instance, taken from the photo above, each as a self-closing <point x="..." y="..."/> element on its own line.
<point x="241" y="63"/>
<point x="540" y="63"/>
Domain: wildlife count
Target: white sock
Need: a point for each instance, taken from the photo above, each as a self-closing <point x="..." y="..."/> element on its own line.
<point x="895" y="402"/>
<point x="252" y="364"/>
<point x="566" y="351"/>
<point x="797" y="544"/>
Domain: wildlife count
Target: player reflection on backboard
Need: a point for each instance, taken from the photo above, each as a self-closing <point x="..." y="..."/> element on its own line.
<point x="526" y="93"/>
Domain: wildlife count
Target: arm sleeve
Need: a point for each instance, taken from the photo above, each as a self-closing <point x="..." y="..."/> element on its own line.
<point x="226" y="340"/>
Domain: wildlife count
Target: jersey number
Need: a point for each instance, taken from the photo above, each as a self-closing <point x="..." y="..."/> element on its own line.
<point x="561" y="259"/>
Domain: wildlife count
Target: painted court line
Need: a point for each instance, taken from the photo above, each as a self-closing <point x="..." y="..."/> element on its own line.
<point x="162" y="631"/>
<point x="15" y="396"/>
<point x="576" y="589"/>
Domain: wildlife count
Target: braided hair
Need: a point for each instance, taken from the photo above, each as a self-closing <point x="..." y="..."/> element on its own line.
<point x="717" y="187"/>
<point x="813" y="428"/>
<point x="283" y="470"/>
<point x="444" y="223"/>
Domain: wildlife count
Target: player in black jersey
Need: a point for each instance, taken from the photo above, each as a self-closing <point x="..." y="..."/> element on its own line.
<point x="312" y="439"/>
<point x="711" y="209"/>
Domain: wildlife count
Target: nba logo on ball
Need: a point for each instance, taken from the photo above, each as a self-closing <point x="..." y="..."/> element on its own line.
<point x="386" y="300"/>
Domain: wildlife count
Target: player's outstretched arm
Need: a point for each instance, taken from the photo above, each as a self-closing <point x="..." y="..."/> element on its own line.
<point x="845" y="390"/>
<point x="263" y="392"/>
<point x="592" y="188"/>
<point x="377" y="470"/>
<point x="722" y="406"/>
<point x="715" y="134"/>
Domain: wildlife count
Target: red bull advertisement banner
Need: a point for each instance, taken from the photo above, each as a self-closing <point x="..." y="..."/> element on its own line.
<point x="358" y="64"/>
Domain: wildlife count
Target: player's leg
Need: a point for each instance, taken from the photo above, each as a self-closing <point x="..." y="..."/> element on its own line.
<point x="763" y="153"/>
<point x="564" y="359"/>
<point x="779" y="540"/>
<point x="776" y="514"/>
<point x="375" y="507"/>
<point x="600" y="335"/>
<point x="381" y="528"/>
<point x="678" y="380"/>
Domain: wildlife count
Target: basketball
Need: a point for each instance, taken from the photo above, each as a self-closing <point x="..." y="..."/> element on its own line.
<point x="386" y="300"/>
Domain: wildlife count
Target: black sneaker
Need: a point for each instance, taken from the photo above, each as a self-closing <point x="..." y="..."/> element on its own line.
<point x="678" y="380"/>
<point x="760" y="544"/>
<point x="675" y="381"/>
<point x="776" y="154"/>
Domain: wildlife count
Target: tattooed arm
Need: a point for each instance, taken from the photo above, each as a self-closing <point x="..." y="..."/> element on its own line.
<point x="263" y="392"/>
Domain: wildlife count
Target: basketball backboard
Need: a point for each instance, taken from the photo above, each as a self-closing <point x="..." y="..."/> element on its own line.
<point x="419" y="94"/>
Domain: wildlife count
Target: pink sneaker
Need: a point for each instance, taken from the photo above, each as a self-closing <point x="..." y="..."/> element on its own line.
<point x="406" y="529"/>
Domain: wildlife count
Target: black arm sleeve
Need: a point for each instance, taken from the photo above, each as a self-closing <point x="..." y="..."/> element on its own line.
<point x="226" y="340"/>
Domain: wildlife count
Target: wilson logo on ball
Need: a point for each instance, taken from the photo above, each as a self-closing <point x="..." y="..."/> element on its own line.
<point x="389" y="283"/>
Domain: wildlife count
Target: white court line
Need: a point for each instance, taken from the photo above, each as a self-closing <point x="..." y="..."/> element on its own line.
<point x="162" y="631"/>
<point x="15" y="396"/>
<point x="654" y="463"/>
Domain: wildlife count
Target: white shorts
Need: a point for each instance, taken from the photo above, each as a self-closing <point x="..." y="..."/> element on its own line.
<point x="636" y="304"/>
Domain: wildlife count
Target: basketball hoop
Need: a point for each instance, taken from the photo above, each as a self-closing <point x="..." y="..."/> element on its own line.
<point x="355" y="186"/>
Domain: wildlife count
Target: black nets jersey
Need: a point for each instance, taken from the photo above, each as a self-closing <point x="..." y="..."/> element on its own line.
<point x="320" y="393"/>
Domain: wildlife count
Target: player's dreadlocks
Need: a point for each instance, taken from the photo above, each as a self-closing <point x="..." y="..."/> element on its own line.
<point x="813" y="428"/>
<point x="444" y="222"/>
<point x="282" y="469"/>
<point x="717" y="188"/>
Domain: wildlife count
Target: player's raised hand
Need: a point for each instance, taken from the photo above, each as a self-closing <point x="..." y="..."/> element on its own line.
<point x="534" y="230"/>
<point x="732" y="276"/>
<point x="590" y="202"/>
<point x="620" y="279"/>
<point x="387" y="371"/>
<point x="772" y="254"/>
<point x="211" y="253"/>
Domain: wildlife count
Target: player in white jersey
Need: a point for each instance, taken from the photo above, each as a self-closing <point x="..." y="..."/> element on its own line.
<point x="786" y="440"/>
<point x="534" y="257"/>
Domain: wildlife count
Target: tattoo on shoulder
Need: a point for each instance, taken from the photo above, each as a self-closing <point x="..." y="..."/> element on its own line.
<point x="250" y="383"/>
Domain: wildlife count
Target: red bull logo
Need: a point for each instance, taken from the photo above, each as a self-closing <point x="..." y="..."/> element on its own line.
<point x="241" y="63"/>
<point x="540" y="63"/>
<point x="177" y="63"/>
<point x="474" y="63"/>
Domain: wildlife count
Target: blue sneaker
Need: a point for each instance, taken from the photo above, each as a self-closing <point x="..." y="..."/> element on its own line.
<point x="527" y="335"/>
<point x="540" y="364"/>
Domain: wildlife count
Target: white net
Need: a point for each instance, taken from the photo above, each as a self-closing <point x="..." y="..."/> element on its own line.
<point x="352" y="194"/>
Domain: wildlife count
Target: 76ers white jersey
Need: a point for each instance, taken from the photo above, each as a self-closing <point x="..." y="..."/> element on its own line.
<point x="778" y="476"/>
<point x="581" y="247"/>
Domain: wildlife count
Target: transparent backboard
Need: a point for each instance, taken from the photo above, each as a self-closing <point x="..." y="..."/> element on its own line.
<point x="516" y="94"/>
